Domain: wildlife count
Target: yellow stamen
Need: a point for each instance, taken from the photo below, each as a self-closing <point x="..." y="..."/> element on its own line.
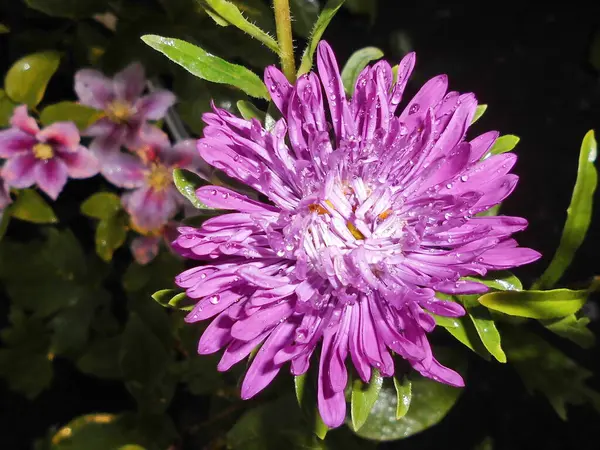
<point x="119" y="111"/>
<point x="317" y="208"/>
<point x="159" y="177"/>
<point x="357" y="234"/>
<point x="43" y="151"/>
<point x="384" y="215"/>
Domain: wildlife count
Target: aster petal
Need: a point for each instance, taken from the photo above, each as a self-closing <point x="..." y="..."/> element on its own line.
<point x="482" y="144"/>
<point x="332" y="405"/>
<point x="23" y="121"/>
<point x="154" y="106"/>
<point x="123" y="170"/>
<point x="129" y="83"/>
<point x="212" y="305"/>
<point x="428" y="96"/>
<point x="51" y="176"/>
<point x="19" y="171"/>
<point x="405" y="69"/>
<point x="250" y="327"/>
<point x="238" y="350"/>
<point x="223" y="198"/>
<point x="93" y="88"/>
<point x="279" y="88"/>
<point x="14" y="141"/>
<point x="217" y="335"/>
<point x="81" y="163"/>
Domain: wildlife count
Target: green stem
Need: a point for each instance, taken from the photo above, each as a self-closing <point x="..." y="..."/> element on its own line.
<point x="283" y="23"/>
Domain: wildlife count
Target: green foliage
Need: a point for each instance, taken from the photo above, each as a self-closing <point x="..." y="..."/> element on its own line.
<point x="72" y="9"/>
<point x="364" y="396"/>
<point x="480" y="111"/>
<point x="504" y="144"/>
<point x="82" y="116"/>
<point x="102" y="205"/>
<point x="579" y="214"/>
<point x="111" y="231"/>
<point x="356" y="63"/>
<point x="31" y="207"/>
<point x="249" y="111"/>
<point x="545" y="369"/>
<point x="331" y="7"/>
<point x="187" y="184"/>
<point x="305" y="14"/>
<point x="6" y="108"/>
<point x="207" y="66"/>
<point x="573" y="328"/>
<point x="27" y="79"/>
<point x="403" y="388"/>
<point x="306" y="395"/>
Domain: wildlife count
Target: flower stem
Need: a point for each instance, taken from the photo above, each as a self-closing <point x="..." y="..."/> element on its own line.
<point x="283" y="23"/>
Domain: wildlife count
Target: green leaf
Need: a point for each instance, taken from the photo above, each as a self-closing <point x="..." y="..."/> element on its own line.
<point x="430" y="402"/>
<point x="110" y="235"/>
<point x="26" y="80"/>
<point x="101" y="358"/>
<point x="493" y="211"/>
<point x="501" y="281"/>
<point x="102" y="205"/>
<point x="6" y="108"/>
<point x="364" y="397"/>
<point x="187" y="184"/>
<point x="403" y="396"/>
<point x="465" y="332"/>
<point x="504" y="144"/>
<point x="83" y="116"/>
<point x="356" y="63"/>
<point x="305" y="13"/>
<point x="4" y="29"/>
<point x="199" y="373"/>
<point x="479" y="111"/>
<point x="572" y="328"/>
<point x="207" y="66"/>
<point x="545" y="369"/>
<point x="536" y="304"/>
<point x="72" y="9"/>
<point x="249" y="111"/>
<point x="321" y="24"/>
<point x="4" y="221"/>
<point x="274" y="425"/>
<point x="31" y="207"/>
<point x="98" y="431"/>
<point x="487" y="331"/>
<point x="230" y="13"/>
<point x="306" y="397"/>
<point x="174" y="298"/>
<point x="579" y="214"/>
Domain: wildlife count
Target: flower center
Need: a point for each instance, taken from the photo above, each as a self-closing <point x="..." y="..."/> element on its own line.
<point x="159" y="177"/>
<point x="43" y="151"/>
<point x="119" y="111"/>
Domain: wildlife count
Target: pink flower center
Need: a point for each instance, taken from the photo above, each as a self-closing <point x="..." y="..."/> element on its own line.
<point x="43" y="151"/>
<point x="159" y="177"/>
<point x="119" y="111"/>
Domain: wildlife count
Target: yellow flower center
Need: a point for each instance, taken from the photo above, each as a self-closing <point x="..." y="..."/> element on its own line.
<point x="43" y="151"/>
<point x="159" y="177"/>
<point x="119" y="111"/>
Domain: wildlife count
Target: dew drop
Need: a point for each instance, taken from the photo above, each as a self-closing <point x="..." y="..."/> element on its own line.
<point x="414" y="108"/>
<point x="214" y="299"/>
<point x="464" y="178"/>
<point x="213" y="192"/>
<point x="449" y="186"/>
<point x="202" y="276"/>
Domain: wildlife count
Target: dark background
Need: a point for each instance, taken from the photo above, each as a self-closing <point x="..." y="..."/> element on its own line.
<point x="531" y="64"/>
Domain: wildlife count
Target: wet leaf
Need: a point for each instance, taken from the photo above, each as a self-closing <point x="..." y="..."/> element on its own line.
<point x="331" y="7"/>
<point x="231" y="14"/>
<point x="207" y="66"/>
<point x="83" y="116"/>
<point x="26" y="80"/>
<point x="487" y="331"/>
<point x="364" y="396"/>
<point x="187" y="184"/>
<point x="579" y="214"/>
<point x="463" y="330"/>
<point x="249" y="111"/>
<point x="102" y="205"/>
<point x="545" y="369"/>
<point x="536" y="304"/>
<point x="504" y="144"/>
<point x="110" y="235"/>
<point x="501" y="281"/>
<point x="31" y="207"/>
<point x="403" y="395"/>
<point x="479" y="111"/>
<point x="356" y="63"/>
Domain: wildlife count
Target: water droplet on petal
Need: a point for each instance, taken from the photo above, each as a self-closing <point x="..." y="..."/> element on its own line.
<point x="214" y="299"/>
<point x="414" y="108"/>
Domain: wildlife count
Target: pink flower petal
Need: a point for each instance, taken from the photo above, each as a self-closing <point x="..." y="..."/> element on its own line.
<point x="14" y="141"/>
<point x="130" y="82"/>
<point x="23" y="121"/>
<point x="19" y="171"/>
<point x="64" y="134"/>
<point x="154" y="106"/>
<point x="123" y="170"/>
<point x="51" y="176"/>
<point x="93" y="88"/>
<point x="81" y="163"/>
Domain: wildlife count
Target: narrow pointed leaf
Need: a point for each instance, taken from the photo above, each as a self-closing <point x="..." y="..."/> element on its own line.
<point x="364" y="397"/>
<point x="249" y="111"/>
<point x="207" y="66"/>
<point x="320" y="26"/>
<point x="83" y="116"/>
<point x="501" y="281"/>
<point x="536" y="304"/>
<point x="187" y="183"/>
<point x="464" y="331"/>
<point x="579" y="214"/>
<point x="26" y="80"/>
<point x="487" y="331"/>
<point x="356" y="63"/>
<point x="230" y="13"/>
<point x="479" y="111"/>
<point x="504" y="144"/>
<point x="403" y="396"/>
<point x="31" y="207"/>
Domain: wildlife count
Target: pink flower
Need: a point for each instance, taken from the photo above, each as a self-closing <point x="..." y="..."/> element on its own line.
<point x="4" y="195"/>
<point x="43" y="157"/>
<point x="154" y="199"/>
<point x="127" y="111"/>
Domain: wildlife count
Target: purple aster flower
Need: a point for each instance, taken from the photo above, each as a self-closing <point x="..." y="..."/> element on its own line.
<point x="126" y="110"/>
<point x="43" y="157"/>
<point x="154" y="199"/>
<point x="370" y="213"/>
